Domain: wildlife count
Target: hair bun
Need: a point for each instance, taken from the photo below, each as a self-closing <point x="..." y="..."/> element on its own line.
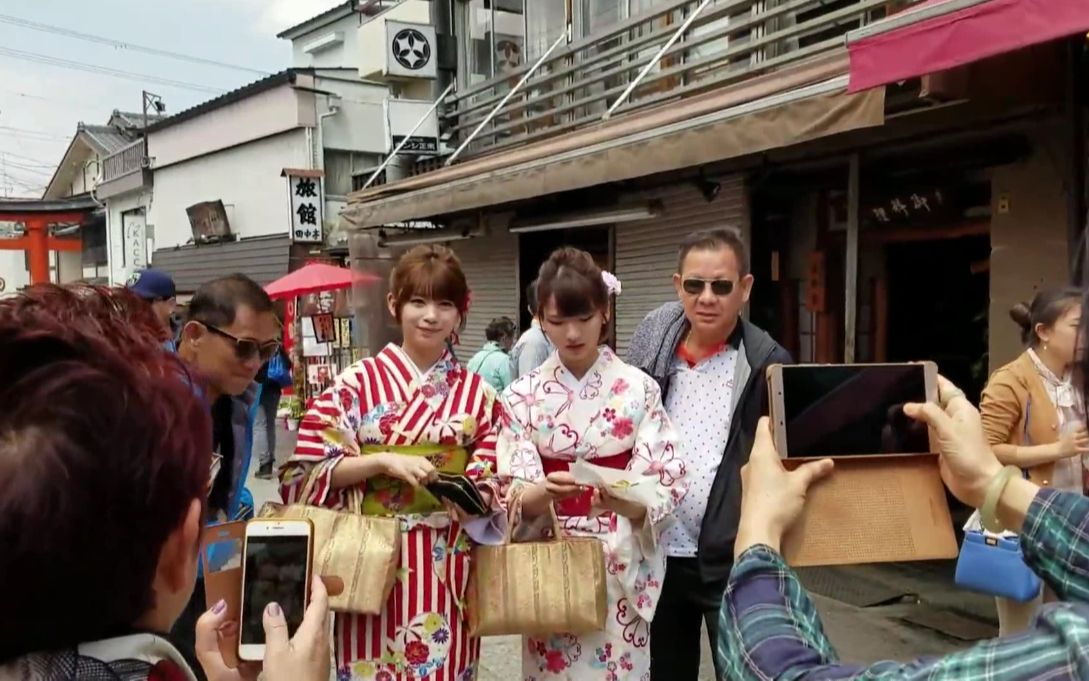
<point x="1021" y="314"/>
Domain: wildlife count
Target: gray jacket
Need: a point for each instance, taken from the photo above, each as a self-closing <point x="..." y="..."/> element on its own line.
<point x="654" y="349"/>
<point x="530" y="352"/>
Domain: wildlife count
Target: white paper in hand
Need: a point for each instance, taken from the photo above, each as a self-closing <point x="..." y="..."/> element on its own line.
<point x="621" y="484"/>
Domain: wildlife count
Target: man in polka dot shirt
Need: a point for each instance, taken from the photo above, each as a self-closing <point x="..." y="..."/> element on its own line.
<point x="711" y="366"/>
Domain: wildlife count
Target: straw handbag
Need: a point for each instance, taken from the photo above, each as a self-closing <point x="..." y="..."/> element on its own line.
<point x="363" y="551"/>
<point x="537" y="587"/>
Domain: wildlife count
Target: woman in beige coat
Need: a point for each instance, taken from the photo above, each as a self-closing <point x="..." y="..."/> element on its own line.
<point x="1032" y="414"/>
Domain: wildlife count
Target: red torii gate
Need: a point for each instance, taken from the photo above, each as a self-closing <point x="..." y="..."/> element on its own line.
<point x="36" y="216"/>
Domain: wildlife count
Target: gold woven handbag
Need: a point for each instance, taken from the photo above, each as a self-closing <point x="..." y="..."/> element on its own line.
<point x="363" y="551"/>
<point x="538" y="587"/>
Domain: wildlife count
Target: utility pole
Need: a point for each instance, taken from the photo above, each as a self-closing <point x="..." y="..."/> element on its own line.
<point x="153" y="101"/>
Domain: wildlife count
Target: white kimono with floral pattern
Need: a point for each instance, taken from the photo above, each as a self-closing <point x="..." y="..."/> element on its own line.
<point x="614" y="409"/>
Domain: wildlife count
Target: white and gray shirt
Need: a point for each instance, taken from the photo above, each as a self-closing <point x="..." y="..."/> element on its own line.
<point x="700" y="405"/>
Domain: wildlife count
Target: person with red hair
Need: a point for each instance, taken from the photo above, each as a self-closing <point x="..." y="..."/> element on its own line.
<point x="104" y="470"/>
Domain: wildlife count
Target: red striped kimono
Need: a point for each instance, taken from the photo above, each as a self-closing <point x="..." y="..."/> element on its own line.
<point x="386" y="400"/>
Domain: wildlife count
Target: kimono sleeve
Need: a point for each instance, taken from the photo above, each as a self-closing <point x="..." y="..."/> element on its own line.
<point x="517" y="458"/>
<point x="655" y="454"/>
<point x="481" y="466"/>
<point x="633" y="553"/>
<point x="326" y="435"/>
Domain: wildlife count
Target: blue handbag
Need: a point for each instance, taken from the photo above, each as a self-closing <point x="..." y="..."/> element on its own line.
<point x="995" y="566"/>
<point x="278" y="371"/>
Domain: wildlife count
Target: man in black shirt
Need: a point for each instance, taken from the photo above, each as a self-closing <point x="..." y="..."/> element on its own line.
<point x="231" y="330"/>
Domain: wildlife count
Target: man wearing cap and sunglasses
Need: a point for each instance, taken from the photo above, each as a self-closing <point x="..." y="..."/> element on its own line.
<point x="710" y="364"/>
<point x="230" y="331"/>
<point x="157" y="288"/>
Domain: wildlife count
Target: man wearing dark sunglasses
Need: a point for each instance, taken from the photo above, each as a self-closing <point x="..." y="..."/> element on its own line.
<point x="230" y="331"/>
<point x="710" y="364"/>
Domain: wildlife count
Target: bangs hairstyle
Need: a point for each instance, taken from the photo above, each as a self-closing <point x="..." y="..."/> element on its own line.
<point x="572" y="280"/>
<point x="432" y="272"/>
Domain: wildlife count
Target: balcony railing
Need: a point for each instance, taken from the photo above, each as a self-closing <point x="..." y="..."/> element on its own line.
<point x="729" y="41"/>
<point x="125" y="161"/>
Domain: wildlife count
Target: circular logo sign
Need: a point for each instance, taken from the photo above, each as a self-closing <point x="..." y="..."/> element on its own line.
<point x="411" y="49"/>
<point x="3" y="284"/>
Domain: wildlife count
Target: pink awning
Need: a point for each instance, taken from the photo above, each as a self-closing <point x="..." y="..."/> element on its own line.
<point x="943" y="34"/>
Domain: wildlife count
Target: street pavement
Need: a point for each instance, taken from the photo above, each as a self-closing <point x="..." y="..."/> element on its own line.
<point x="929" y="616"/>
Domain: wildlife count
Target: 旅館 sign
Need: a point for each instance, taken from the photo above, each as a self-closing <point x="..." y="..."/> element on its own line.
<point x="306" y="203"/>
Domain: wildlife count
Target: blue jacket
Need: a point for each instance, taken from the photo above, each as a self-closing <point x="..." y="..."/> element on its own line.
<point x="243" y="414"/>
<point x="240" y="501"/>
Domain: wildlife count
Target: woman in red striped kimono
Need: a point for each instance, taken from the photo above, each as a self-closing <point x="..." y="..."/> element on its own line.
<point x="386" y="426"/>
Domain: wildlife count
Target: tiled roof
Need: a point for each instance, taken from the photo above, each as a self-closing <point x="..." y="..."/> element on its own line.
<point x="107" y="138"/>
<point x="132" y="119"/>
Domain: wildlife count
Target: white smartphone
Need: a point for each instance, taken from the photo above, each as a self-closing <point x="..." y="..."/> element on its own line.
<point x="277" y="567"/>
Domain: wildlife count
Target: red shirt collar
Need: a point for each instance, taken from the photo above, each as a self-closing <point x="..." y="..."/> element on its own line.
<point x="734" y="340"/>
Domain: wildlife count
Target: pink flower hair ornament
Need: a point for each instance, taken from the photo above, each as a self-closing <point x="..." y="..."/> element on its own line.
<point x="611" y="283"/>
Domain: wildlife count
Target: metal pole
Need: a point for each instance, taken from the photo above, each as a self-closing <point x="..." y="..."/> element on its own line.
<point x="416" y="127"/>
<point x="503" y="102"/>
<point x="654" y="60"/>
<point x="851" y="313"/>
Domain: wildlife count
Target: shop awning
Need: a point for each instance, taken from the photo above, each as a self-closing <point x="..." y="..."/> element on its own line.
<point x="316" y="277"/>
<point x="943" y="34"/>
<point x="774" y="110"/>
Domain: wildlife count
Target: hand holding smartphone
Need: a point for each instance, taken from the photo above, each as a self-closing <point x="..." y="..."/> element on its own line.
<point x="302" y="657"/>
<point x="277" y="569"/>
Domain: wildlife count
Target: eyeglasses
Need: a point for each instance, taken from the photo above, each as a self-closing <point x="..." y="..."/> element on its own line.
<point x="245" y="348"/>
<point x="719" y="287"/>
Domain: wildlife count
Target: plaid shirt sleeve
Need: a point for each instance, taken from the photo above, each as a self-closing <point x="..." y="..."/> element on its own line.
<point x="769" y="629"/>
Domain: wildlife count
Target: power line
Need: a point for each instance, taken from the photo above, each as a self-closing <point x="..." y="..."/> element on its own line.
<point x="102" y="40"/>
<point x="58" y="100"/>
<point x="44" y="164"/>
<point x="34" y="171"/>
<point x="102" y="70"/>
<point x="31" y="134"/>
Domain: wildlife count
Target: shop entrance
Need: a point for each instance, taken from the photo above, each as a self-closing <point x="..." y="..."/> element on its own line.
<point x="535" y="247"/>
<point x="923" y="287"/>
<point x="938" y="297"/>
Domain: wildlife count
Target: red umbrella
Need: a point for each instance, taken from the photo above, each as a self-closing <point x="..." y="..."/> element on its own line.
<point x="316" y="277"/>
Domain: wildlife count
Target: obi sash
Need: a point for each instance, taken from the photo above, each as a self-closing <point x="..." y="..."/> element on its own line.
<point x="385" y="496"/>
<point x="580" y="505"/>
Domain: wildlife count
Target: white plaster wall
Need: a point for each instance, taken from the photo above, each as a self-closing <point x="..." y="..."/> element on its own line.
<point x="246" y="178"/>
<point x="119" y="267"/>
<point x="358" y="124"/>
<point x="253" y="118"/>
<point x="13" y="271"/>
<point x="344" y="54"/>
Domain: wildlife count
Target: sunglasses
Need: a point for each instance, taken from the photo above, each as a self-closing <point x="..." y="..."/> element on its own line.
<point x="719" y="287"/>
<point x="247" y="349"/>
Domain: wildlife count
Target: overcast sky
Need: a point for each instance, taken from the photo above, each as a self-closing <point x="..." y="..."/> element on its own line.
<point x="41" y="104"/>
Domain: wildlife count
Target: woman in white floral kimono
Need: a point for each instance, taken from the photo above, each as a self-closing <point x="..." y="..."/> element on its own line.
<point x="585" y="403"/>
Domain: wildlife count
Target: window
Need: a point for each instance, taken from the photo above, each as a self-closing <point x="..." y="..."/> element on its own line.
<point x="546" y="20"/>
<point x="478" y="33"/>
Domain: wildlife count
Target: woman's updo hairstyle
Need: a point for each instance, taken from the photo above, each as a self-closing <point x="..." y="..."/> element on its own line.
<point x="572" y="280"/>
<point x="1046" y="308"/>
<point x="432" y="272"/>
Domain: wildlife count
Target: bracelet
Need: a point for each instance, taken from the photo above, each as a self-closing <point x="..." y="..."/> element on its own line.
<point x="988" y="511"/>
